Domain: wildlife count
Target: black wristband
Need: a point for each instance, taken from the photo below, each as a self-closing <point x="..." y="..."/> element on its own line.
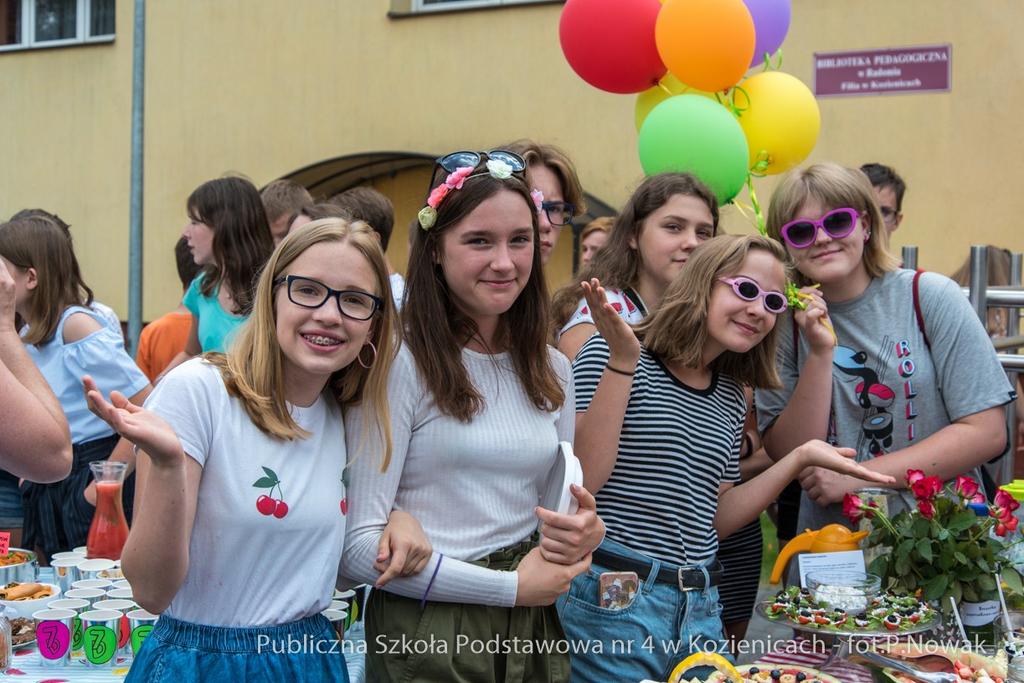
<point x="617" y="371"/>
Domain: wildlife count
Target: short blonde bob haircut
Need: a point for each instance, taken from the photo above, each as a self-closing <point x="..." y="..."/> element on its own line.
<point x="834" y="187"/>
<point x="678" y="330"/>
<point x="253" y="368"/>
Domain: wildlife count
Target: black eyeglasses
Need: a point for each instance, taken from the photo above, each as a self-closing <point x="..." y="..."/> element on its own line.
<point x="559" y="213"/>
<point x="889" y="214"/>
<point x="455" y="160"/>
<point x="309" y="293"/>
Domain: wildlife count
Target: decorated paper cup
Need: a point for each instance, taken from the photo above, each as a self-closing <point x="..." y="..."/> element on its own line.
<point x="339" y="604"/>
<point x="103" y="584"/>
<point x="337" y="617"/>
<point x="53" y="636"/>
<point x="82" y="550"/>
<point x="140" y="622"/>
<point x="76" y="605"/>
<point x="90" y="594"/>
<point x="121" y="583"/>
<point x="72" y="555"/>
<point x="66" y="572"/>
<point x="100" y="634"/>
<point x="98" y="569"/>
<point x="123" y="631"/>
<point x="120" y="594"/>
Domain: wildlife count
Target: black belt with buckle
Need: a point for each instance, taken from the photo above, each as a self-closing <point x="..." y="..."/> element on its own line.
<point x="687" y="578"/>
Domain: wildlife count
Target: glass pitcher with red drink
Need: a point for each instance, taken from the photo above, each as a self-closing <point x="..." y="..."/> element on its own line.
<point x="109" y="529"/>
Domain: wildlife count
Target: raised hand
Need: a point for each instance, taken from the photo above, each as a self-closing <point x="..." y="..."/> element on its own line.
<point x="567" y="539"/>
<point x="6" y="295"/>
<point x="622" y="342"/>
<point x="814" y="320"/>
<point x="828" y="473"/>
<point x="144" y="428"/>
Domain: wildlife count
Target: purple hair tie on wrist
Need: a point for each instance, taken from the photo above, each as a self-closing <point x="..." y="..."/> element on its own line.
<point x="423" y="602"/>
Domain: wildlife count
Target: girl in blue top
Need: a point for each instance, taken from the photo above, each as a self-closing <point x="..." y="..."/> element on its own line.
<point x="66" y="339"/>
<point x="229" y="236"/>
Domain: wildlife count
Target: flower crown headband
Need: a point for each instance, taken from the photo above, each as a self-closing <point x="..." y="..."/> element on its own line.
<point x="496" y="168"/>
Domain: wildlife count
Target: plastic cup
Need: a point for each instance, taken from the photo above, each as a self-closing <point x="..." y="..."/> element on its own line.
<point x="140" y="623"/>
<point x="339" y="604"/>
<point x="82" y="550"/>
<point x="90" y="594"/>
<point x="100" y="631"/>
<point x="76" y="605"/>
<point x="120" y="594"/>
<point x="53" y="636"/>
<point x="66" y="572"/>
<point x="121" y="583"/>
<point x="71" y="555"/>
<point x="338" y="618"/>
<point x="99" y="569"/>
<point x="124" y="630"/>
<point x="102" y="584"/>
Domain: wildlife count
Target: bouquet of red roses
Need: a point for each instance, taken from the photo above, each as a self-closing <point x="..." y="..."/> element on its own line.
<point x="944" y="546"/>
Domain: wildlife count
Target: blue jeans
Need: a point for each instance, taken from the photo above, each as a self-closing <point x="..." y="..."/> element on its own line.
<point x="647" y="638"/>
<point x="178" y="651"/>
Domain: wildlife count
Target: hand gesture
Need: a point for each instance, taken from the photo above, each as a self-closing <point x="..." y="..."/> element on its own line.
<point x="142" y="427"/>
<point x="567" y="539"/>
<point x="814" y="320"/>
<point x="403" y="549"/>
<point x="541" y="582"/>
<point x="6" y="295"/>
<point x="622" y="342"/>
<point x="824" y="468"/>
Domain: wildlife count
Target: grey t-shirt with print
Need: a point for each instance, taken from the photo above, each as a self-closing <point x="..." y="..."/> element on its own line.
<point x="888" y="390"/>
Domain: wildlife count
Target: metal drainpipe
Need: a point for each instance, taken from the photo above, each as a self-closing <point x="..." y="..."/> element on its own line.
<point x="135" y="212"/>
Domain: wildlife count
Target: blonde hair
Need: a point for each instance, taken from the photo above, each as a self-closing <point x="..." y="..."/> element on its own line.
<point x="834" y="187"/>
<point x="603" y="224"/>
<point x="253" y="368"/>
<point x="677" y="331"/>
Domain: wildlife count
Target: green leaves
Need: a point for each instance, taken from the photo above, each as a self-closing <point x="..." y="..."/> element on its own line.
<point x="935" y="587"/>
<point x="267" y="482"/>
<point x="924" y="549"/>
<point x="1012" y="579"/>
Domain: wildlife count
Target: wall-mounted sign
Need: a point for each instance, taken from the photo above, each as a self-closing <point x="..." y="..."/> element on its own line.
<point x="883" y="72"/>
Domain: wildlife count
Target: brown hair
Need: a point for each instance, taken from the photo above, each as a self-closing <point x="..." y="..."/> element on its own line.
<point x="998" y="276"/>
<point x="834" y="187"/>
<point x="617" y="265"/>
<point x="253" y="368"/>
<point x="369" y="205"/>
<point x="40" y="243"/>
<point x="541" y="154"/>
<point x="677" y="331"/>
<point x="242" y="243"/>
<point x="602" y="224"/>
<point x="435" y="329"/>
<point x="283" y="197"/>
<point x="319" y="211"/>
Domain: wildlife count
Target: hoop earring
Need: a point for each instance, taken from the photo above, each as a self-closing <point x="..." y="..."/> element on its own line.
<point x="359" y="356"/>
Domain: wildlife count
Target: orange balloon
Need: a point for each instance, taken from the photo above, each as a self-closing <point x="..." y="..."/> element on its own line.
<point x="706" y="43"/>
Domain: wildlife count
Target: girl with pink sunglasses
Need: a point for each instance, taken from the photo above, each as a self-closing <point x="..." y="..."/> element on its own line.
<point x="910" y="375"/>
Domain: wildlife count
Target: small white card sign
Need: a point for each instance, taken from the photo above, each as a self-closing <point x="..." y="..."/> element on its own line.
<point x="845" y="560"/>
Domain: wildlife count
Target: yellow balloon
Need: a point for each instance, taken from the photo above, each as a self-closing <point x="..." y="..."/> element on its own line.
<point x="670" y="86"/>
<point x="781" y="120"/>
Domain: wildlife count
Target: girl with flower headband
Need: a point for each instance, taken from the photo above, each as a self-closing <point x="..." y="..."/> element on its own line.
<point x="668" y="215"/>
<point x="478" y="409"/>
<point x="913" y="383"/>
<point x="660" y="418"/>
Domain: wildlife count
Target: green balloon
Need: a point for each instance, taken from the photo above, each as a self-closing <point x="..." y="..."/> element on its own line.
<point x="694" y="134"/>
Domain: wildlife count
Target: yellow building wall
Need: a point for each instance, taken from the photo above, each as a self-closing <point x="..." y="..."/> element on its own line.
<point x="262" y="87"/>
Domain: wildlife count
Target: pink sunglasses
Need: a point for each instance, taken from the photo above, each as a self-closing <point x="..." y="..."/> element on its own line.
<point x="748" y="290"/>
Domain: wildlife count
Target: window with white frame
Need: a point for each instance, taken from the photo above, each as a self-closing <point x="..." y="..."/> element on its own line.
<point x="51" y="23"/>
<point x="441" y="5"/>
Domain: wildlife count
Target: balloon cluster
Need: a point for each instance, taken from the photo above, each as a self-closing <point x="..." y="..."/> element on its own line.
<point x="687" y="59"/>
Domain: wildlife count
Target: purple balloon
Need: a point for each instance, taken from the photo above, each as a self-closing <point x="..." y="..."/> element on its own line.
<point x="771" y="23"/>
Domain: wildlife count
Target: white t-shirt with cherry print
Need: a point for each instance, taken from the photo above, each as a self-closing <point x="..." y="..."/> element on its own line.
<point x="269" y="523"/>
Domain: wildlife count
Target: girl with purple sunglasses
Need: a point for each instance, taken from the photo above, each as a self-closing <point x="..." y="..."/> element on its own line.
<point x="910" y="381"/>
<point x="660" y="412"/>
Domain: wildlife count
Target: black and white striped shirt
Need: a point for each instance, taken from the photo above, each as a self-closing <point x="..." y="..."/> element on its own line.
<point x="677" y="445"/>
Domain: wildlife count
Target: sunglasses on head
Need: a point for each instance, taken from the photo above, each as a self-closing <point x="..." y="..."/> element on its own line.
<point x="455" y="160"/>
<point x="837" y="224"/>
<point x="748" y="290"/>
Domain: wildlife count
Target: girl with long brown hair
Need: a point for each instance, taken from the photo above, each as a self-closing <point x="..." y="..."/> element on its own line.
<point x="478" y="405"/>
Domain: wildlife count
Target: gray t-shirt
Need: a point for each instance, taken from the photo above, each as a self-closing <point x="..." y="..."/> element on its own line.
<point x="888" y="389"/>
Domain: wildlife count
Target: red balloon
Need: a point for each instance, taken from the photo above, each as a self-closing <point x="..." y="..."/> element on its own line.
<point x="610" y="43"/>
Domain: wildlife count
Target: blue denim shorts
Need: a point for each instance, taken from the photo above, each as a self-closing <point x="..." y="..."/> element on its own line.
<point x="178" y="651"/>
<point x="646" y="639"/>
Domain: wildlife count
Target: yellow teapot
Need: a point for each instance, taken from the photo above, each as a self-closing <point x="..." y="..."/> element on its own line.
<point x="828" y="539"/>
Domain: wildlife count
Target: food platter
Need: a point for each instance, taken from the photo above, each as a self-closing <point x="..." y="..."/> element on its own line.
<point x="776" y="674"/>
<point x="886" y="615"/>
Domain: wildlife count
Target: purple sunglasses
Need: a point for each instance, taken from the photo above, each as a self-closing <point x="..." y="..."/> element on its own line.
<point x="837" y="224"/>
<point x="748" y="290"/>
